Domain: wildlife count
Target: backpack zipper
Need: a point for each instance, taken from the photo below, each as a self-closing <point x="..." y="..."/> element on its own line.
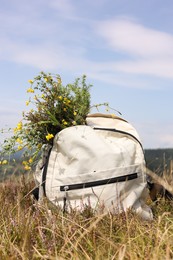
<point x="99" y="183"/>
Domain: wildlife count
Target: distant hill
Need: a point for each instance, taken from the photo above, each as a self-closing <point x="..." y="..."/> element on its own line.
<point x="159" y="160"/>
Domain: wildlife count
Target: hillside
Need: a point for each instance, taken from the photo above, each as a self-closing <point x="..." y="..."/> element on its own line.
<point x="159" y="160"/>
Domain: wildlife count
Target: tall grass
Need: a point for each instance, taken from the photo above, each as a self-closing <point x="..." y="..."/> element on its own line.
<point x="29" y="230"/>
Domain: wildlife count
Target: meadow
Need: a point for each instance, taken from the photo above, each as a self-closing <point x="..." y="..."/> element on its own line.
<point x="29" y="230"/>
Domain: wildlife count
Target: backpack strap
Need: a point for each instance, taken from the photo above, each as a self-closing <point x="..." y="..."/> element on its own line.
<point x="45" y="166"/>
<point x="36" y="191"/>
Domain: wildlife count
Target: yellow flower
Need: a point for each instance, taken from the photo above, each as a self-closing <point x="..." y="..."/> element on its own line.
<point x="66" y="101"/>
<point x="4" y="162"/>
<point x="30" y="160"/>
<point x="74" y="123"/>
<point x="0" y="162"/>
<point x="49" y="136"/>
<point x="64" y="122"/>
<point x="30" y="81"/>
<point x="18" y="140"/>
<point x="27" y="167"/>
<point x="25" y="163"/>
<point x="74" y="113"/>
<point x="27" y="103"/>
<point x="19" y="148"/>
<point x="48" y="79"/>
<point x="30" y="90"/>
<point x="19" y="126"/>
<point x="65" y="109"/>
<point x="60" y="97"/>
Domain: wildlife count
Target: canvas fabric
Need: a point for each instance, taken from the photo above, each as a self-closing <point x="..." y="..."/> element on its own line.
<point x="100" y="165"/>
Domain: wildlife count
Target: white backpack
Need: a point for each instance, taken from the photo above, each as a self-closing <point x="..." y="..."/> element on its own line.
<point x="99" y="165"/>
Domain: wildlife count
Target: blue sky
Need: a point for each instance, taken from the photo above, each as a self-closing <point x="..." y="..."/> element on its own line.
<point x="125" y="47"/>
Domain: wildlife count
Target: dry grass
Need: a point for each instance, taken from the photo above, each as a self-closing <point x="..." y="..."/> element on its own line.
<point x="31" y="231"/>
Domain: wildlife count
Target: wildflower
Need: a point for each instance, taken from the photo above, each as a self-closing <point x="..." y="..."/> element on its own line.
<point x="27" y="167"/>
<point x="30" y="90"/>
<point x="19" y="127"/>
<point x="19" y="148"/>
<point x="64" y="122"/>
<point x="30" y="81"/>
<point x="66" y="101"/>
<point x="65" y="109"/>
<point x="74" y="113"/>
<point x="74" y="123"/>
<point x="49" y="136"/>
<point x="25" y="163"/>
<point x="19" y="140"/>
<point x="48" y="79"/>
<point x="60" y="97"/>
<point x="4" y="162"/>
<point x="27" y="103"/>
<point x="30" y="160"/>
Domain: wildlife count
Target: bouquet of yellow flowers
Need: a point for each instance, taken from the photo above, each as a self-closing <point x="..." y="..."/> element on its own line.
<point x="53" y="108"/>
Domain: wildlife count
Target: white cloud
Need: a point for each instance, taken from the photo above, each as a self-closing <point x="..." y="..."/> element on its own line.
<point x="153" y="67"/>
<point x="150" y="52"/>
<point x="135" y="39"/>
<point x="46" y="56"/>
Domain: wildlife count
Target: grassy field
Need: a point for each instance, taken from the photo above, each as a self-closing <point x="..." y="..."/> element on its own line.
<point x="32" y="231"/>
